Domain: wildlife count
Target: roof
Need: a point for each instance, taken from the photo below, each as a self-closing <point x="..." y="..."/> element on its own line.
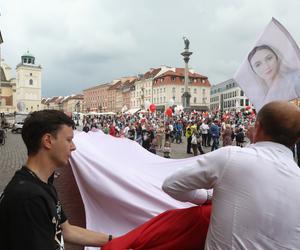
<point x="151" y="73"/>
<point x="180" y="72"/>
<point x="115" y="86"/>
<point x="27" y="54"/>
<point x="101" y="85"/>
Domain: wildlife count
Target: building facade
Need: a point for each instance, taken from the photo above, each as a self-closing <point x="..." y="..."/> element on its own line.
<point x="28" y="84"/>
<point x="96" y="98"/>
<point x="227" y="96"/>
<point x="7" y="89"/>
<point x="170" y="85"/>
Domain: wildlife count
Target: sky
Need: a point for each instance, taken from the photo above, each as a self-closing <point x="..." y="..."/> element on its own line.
<point x="84" y="43"/>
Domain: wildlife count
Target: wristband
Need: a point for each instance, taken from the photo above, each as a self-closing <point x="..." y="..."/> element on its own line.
<point x="110" y="237"/>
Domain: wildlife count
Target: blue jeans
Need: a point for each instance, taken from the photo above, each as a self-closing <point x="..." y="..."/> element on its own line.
<point x="215" y="144"/>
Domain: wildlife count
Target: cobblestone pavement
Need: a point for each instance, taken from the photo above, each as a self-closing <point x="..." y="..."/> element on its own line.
<point x="12" y="156"/>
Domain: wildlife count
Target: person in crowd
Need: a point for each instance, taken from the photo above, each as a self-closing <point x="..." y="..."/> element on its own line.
<point x="178" y="128"/>
<point x="188" y="135"/>
<point x="214" y="130"/>
<point x="167" y="149"/>
<point x="167" y="132"/>
<point x="153" y="146"/>
<point x="86" y="128"/>
<point x="147" y="137"/>
<point x="255" y="187"/>
<point x="204" y="132"/>
<point x="112" y="129"/>
<point x="138" y="131"/>
<point x="227" y="135"/>
<point x="199" y="143"/>
<point x="209" y="136"/>
<point x="194" y="142"/>
<point x="131" y="132"/>
<point x="159" y="135"/>
<point x="31" y="216"/>
<point x="240" y="137"/>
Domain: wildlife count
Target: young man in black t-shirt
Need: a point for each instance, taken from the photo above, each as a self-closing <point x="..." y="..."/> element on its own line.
<point x="31" y="217"/>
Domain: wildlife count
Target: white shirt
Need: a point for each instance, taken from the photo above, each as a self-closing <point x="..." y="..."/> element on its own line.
<point x="256" y="201"/>
<point x="204" y="128"/>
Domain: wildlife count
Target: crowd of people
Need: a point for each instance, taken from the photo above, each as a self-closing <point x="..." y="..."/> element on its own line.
<point x="156" y="131"/>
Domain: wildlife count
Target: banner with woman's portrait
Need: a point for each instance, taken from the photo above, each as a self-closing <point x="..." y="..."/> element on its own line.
<point x="271" y="70"/>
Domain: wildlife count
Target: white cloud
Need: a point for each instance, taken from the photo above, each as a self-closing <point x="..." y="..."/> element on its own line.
<point x="81" y="43"/>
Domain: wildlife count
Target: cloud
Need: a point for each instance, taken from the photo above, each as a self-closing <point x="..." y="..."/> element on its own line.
<point x="81" y="43"/>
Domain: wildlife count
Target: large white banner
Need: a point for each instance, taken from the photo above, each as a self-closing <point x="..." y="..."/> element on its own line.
<point x="120" y="182"/>
<point x="271" y="70"/>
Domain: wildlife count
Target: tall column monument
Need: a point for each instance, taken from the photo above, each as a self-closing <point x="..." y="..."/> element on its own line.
<point x="186" y="96"/>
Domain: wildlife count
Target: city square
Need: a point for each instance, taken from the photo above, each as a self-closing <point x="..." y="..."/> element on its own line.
<point x="162" y="125"/>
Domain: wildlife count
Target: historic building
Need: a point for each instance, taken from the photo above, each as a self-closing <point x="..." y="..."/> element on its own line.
<point x="96" y="98"/>
<point x="227" y="96"/>
<point x="170" y="85"/>
<point x="7" y="89"/>
<point x="28" y="84"/>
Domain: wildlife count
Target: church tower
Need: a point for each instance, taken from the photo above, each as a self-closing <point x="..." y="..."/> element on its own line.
<point x="28" y="84"/>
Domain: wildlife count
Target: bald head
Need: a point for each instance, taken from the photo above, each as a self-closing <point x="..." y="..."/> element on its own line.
<point x="280" y="121"/>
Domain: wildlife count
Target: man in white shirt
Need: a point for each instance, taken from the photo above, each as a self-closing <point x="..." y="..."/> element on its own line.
<point x="204" y="132"/>
<point x="256" y="199"/>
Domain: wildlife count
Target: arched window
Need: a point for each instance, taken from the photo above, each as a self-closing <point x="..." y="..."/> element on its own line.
<point x="30" y="82"/>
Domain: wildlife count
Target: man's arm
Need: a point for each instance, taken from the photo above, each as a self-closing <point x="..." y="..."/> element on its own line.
<point x="203" y="173"/>
<point x="81" y="236"/>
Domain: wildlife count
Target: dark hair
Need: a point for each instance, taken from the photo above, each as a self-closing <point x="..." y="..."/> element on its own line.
<point x="41" y="122"/>
<point x="257" y="48"/>
<point x="278" y="124"/>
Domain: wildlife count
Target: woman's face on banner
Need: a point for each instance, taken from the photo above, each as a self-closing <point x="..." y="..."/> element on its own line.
<point x="265" y="64"/>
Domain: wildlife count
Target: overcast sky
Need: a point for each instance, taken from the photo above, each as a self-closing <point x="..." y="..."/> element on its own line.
<point x="83" y="43"/>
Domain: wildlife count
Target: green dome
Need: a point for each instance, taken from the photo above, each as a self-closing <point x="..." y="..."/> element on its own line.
<point x="27" y="54"/>
<point x="28" y="58"/>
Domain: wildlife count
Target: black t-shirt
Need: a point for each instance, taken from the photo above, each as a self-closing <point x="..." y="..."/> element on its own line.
<point x="30" y="214"/>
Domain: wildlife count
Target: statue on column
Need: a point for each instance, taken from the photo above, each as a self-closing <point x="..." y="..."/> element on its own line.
<point x="186" y="42"/>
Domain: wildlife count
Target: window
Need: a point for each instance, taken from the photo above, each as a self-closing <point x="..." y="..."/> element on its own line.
<point x="173" y="78"/>
<point x="164" y="98"/>
<point x="182" y="90"/>
<point x="153" y="91"/>
<point x="242" y="102"/>
<point x="195" y="91"/>
<point x="30" y="74"/>
<point x="195" y="99"/>
<point x="161" y="90"/>
<point x="242" y="93"/>
<point x="173" y="89"/>
<point x="164" y="90"/>
<point x="160" y="99"/>
<point x="247" y="102"/>
<point x="30" y="82"/>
